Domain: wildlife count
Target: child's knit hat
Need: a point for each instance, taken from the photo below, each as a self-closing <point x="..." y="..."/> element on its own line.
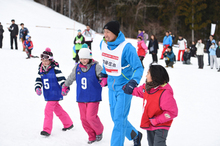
<point x="49" y="53"/>
<point x="85" y="52"/>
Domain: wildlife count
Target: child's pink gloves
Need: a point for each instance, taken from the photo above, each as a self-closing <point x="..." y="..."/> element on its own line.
<point x="153" y="121"/>
<point x="38" y="91"/>
<point x="65" y="90"/>
<point x="103" y="82"/>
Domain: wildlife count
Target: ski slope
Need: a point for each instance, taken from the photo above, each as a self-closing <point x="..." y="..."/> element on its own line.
<point x="22" y="111"/>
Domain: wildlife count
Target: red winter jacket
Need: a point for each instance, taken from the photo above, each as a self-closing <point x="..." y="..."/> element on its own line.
<point x="29" y="44"/>
<point x="158" y="103"/>
<point x="142" y="48"/>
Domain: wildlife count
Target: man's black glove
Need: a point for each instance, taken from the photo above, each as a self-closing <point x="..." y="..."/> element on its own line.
<point x="129" y="87"/>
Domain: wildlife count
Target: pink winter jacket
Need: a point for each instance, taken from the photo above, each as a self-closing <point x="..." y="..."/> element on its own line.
<point x="167" y="104"/>
<point x="142" y="48"/>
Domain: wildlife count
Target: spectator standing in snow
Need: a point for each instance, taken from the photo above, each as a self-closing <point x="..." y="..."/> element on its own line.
<point x="218" y="55"/>
<point x="187" y="56"/>
<point x="123" y="69"/>
<point x="160" y="107"/>
<point x="193" y="49"/>
<point x="212" y="52"/>
<point x="169" y="57"/>
<point x="89" y="93"/>
<point x="153" y="47"/>
<point x="140" y="33"/>
<point x="51" y="79"/>
<point x="78" y="42"/>
<point x="14" y="33"/>
<point x="1" y="34"/>
<point x="182" y="46"/>
<point x="145" y="36"/>
<point x="142" y="49"/>
<point x="208" y="44"/>
<point x="22" y="35"/>
<point x="172" y="35"/>
<point x="200" y="53"/>
<point x="88" y="34"/>
<point x="167" y="41"/>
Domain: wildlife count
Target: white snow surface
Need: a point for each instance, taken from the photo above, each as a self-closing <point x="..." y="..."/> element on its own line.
<point x="22" y="110"/>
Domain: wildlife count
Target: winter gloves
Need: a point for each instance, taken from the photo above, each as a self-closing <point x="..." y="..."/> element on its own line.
<point x="129" y="87"/>
<point x="38" y="91"/>
<point x="78" y="42"/>
<point x="103" y="82"/>
<point x="65" y="90"/>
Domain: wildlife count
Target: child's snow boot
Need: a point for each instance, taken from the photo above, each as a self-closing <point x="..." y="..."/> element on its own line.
<point x="44" y="133"/>
<point x="90" y="142"/>
<point x="98" y="137"/>
<point x="64" y="129"/>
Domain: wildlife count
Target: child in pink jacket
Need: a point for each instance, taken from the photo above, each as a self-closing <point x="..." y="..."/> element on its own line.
<point x="159" y="105"/>
<point x="142" y="49"/>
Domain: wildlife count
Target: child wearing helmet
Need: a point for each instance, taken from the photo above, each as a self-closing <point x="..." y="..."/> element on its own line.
<point x="28" y="45"/>
<point x="51" y="79"/>
<point x="87" y="74"/>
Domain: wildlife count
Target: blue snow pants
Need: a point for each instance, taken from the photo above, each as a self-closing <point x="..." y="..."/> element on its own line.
<point x="119" y="108"/>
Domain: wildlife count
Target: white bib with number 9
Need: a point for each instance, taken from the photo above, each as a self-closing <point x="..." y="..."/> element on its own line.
<point x="84" y="83"/>
<point x="46" y="84"/>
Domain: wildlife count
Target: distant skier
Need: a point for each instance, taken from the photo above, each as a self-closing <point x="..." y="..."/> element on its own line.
<point x="89" y="35"/>
<point x="14" y="33"/>
<point x="87" y="74"/>
<point x="22" y="35"/>
<point x="51" y="79"/>
<point x="28" y="45"/>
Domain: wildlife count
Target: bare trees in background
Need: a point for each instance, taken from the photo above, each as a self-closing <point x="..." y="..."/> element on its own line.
<point x="155" y="17"/>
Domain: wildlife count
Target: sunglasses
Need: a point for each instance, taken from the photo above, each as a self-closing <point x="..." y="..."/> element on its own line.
<point x="45" y="56"/>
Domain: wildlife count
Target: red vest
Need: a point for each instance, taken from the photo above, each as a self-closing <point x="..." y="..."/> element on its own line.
<point x="152" y="109"/>
<point x="141" y="51"/>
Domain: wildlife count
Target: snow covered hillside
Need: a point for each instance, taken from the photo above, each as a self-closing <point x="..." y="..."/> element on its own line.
<point x="22" y="110"/>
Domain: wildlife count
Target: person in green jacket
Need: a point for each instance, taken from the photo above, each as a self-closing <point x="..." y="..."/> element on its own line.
<point x="78" y="42"/>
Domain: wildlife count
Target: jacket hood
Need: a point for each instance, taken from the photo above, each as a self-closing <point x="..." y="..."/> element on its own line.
<point x="140" y="42"/>
<point x="213" y="41"/>
<point x="119" y="40"/>
<point x="165" y="86"/>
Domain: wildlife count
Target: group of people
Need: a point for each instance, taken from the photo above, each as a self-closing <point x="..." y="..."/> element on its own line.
<point x="184" y="54"/>
<point x="27" y="44"/>
<point x="82" y="38"/>
<point x="121" y="72"/>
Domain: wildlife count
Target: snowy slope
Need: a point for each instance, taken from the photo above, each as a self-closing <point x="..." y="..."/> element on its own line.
<point x="22" y="111"/>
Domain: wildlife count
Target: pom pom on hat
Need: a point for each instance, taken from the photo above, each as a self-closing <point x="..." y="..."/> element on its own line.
<point x="85" y="53"/>
<point x="48" y="52"/>
<point x="85" y="46"/>
<point x="48" y="49"/>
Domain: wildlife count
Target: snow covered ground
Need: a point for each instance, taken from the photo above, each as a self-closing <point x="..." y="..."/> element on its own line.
<point x="22" y="111"/>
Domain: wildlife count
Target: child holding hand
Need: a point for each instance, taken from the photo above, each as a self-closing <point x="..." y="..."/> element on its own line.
<point x="51" y="79"/>
<point x="87" y="74"/>
<point x="159" y="105"/>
